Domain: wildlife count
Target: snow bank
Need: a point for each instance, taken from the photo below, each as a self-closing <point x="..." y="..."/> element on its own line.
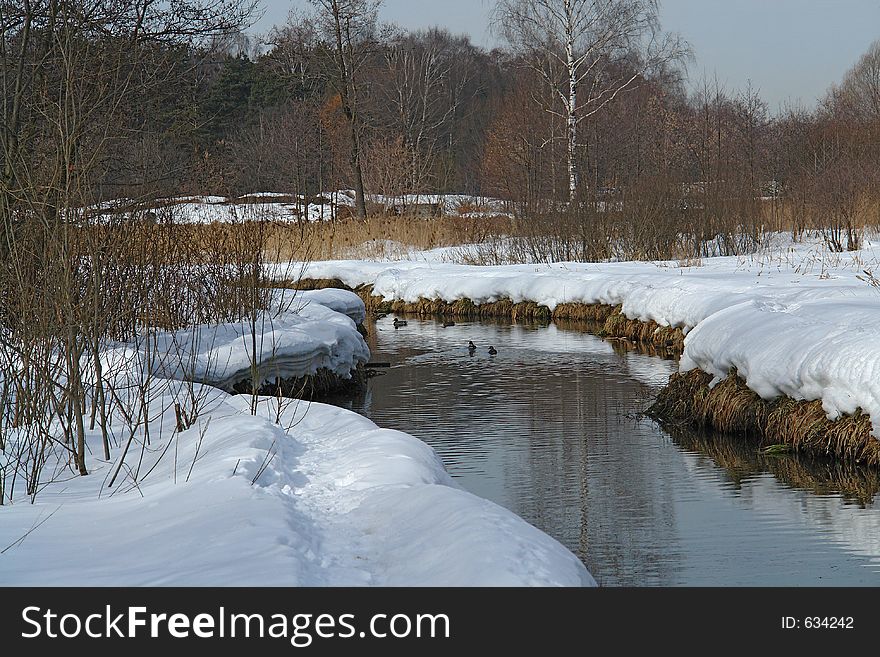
<point x="283" y="207"/>
<point x="341" y="503"/>
<point x="296" y="338"/>
<point x="826" y="349"/>
<point x="300" y="494"/>
<point x="798" y="321"/>
<point x="342" y="301"/>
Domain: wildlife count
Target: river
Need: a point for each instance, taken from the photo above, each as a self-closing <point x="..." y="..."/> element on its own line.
<point x="550" y="428"/>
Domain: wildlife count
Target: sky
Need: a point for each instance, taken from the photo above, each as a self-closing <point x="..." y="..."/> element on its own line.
<point x="790" y="50"/>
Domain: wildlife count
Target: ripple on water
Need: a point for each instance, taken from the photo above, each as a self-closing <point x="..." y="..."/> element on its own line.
<point x="545" y="428"/>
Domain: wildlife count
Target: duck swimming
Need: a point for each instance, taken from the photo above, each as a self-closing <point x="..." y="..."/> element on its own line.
<point x="471" y="347"/>
<point x="448" y="324"/>
<point x="492" y="351"/>
<point x="398" y="323"/>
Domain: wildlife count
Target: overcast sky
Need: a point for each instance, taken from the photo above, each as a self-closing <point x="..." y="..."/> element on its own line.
<point x="791" y="50"/>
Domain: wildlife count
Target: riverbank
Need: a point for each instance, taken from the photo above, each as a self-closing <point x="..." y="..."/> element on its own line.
<point x="551" y="429"/>
<point x="217" y="489"/>
<point x="613" y="323"/>
<point x="794" y="324"/>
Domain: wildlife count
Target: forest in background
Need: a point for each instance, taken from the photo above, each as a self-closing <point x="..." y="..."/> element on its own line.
<point x="585" y="111"/>
<point x="583" y="125"/>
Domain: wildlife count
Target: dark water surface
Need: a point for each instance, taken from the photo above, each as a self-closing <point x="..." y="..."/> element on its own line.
<point x="549" y="429"/>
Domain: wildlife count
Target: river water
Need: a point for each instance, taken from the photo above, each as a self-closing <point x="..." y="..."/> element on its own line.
<point x="550" y="428"/>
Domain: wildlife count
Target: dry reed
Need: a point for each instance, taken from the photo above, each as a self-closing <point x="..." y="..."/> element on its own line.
<point x="731" y="407"/>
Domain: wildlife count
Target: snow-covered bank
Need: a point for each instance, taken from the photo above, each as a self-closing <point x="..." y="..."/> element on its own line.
<point x="294" y="495"/>
<point x="297" y="341"/>
<point x="287" y="207"/>
<point x="798" y="321"/>
<point x="342" y="502"/>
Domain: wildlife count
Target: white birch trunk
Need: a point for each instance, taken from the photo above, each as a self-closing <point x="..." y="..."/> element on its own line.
<point x="571" y="108"/>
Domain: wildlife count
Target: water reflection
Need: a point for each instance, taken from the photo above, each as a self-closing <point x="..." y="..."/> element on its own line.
<point x="821" y="476"/>
<point x="549" y="429"/>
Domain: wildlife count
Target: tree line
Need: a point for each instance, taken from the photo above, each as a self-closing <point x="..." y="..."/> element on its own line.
<point x="585" y="104"/>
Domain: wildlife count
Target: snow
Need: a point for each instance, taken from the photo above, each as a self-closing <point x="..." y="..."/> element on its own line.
<point x="794" y="320"/>
<point x="342" y="301"/>
<point x="450" y="204"/>
<point x="261" y="206"/>
<point x="813" y="349"/>
<point x="287" y="345"/>
<point x="293" y="494"/>
<point x="264" y="195"/>
<point x="206" y="213"/>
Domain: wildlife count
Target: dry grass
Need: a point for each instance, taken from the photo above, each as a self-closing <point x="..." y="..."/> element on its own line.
<point x="731" y="407"/>
<point x="584" y="312"/>
<point x="379" y="236"/>
<point x="618" y="325"/>
<point x="467" y="309"/>
<point x="315" y="284"/>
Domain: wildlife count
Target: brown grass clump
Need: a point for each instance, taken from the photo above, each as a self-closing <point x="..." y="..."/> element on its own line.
<point x="308" y="284"/>
<point x="583" y="312"/>
<point x="618" y="325"/>
<point x="731" y="407"/>
<point x="467" y="309"/>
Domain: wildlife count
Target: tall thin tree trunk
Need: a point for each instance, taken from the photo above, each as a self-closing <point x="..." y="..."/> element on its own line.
<point x="572" y="118"/>
<point x="345" y="87"/>
<point x="360" y="202"/>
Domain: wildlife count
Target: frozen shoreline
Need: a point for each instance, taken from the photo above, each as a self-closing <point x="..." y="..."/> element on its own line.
<point x="300" y="494"/>
<point x="798" y="321"/>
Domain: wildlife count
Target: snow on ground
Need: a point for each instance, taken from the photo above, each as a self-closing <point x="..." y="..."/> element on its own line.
<point x="449" y="204"/>
<point x="296" y="494"/>
<point x="282" y="207"/>
<point x="796" y="320"/>
<point x="287" y="345"/>
<point x="341" y="301"/>
<point x="197" y="212"/>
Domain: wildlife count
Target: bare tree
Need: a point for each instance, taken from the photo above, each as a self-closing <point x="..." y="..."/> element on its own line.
<point x="425" y="76"/>
<point x="72" y="73"/>
<point x="576" y="46"/>
<point x="293" y="53"/>
<point x="349" y="26"/>
<point x="858" y="96"/>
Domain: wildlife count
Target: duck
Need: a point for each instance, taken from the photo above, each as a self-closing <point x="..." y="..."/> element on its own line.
<point x="448" y="324"/>
<point x="471" y="347"/>
<point x="492" y="351"/>
<point x="398" y="323"/>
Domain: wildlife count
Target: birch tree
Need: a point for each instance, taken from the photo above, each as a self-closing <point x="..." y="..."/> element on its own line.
<point x="577" y="48"/>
